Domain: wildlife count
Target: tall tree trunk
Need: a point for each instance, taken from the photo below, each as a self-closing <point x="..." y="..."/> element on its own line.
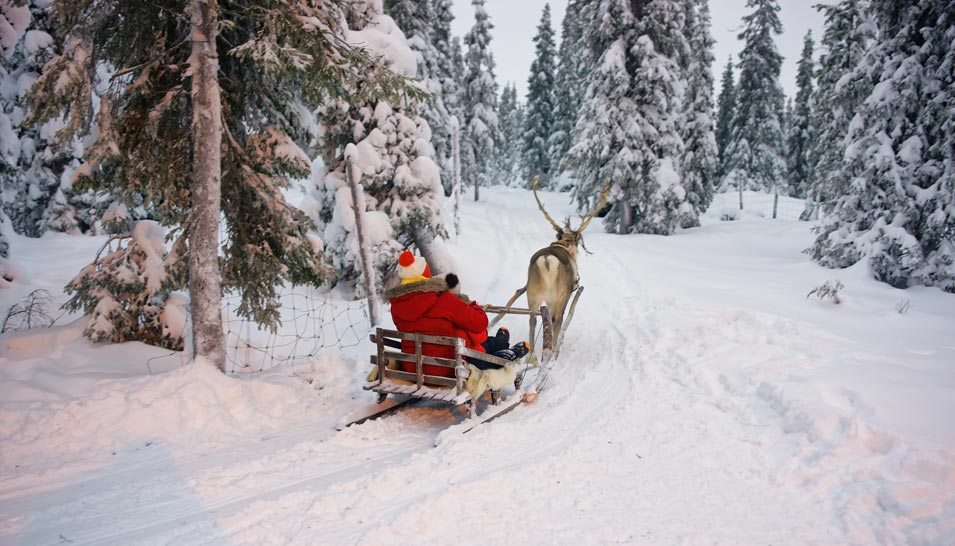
<point x="456" y="170"/>
<point x="204" y="287"/>
<point x="626" y="217"/>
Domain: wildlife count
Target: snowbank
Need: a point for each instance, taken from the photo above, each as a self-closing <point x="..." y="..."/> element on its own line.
<point x="56" y="409"/>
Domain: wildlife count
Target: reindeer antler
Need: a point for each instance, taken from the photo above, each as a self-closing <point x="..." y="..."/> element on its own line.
<point x="540" y="205"/>
<point x="600" y="204"/>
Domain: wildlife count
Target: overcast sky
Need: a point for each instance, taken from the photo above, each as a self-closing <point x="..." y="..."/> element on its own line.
<point x="515" y="24"/>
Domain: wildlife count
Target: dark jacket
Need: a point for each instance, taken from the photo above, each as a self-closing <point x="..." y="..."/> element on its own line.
<point x="428" y="307"/>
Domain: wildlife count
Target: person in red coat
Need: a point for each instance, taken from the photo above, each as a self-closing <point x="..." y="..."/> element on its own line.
<point x="427" y="305"/>
<point x="434" y="306"/>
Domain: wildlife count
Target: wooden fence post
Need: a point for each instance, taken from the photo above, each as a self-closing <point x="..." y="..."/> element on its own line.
<point x="358" y="205"/>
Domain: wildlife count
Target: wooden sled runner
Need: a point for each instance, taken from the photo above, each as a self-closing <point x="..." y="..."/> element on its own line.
<point x="407" y="387"/>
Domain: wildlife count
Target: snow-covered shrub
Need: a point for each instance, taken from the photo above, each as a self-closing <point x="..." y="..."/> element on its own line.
<point x="8" y="270"/>
<point x="127" y="293"/>
<point x="729" y="215"/>
<point x="116" y="219"/>
<point x="828" y="290"/>
<point x="32" y="312"/>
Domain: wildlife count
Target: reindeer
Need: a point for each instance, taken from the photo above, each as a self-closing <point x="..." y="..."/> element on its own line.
<point x="552" y="273"/>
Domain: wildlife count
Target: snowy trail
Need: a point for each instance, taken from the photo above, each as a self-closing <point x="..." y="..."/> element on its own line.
<point x="668" y="419"/>
<point x="153" y="495"/>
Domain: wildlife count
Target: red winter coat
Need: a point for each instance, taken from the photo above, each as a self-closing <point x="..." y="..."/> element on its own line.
<point x="427" y="307"/>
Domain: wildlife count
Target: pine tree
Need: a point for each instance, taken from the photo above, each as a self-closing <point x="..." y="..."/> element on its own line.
<point x="458" y="64"/>
<point x="898" y="211"/>
<point x="726" y="104"/>
<point x="512" y="130"/>
<point x="388" y="143"/>
<point x="129" y="291"/>
<point x="37" y="192"/>
<point x="570" y="83"/>
<point x="627" y="130"/>
<point x="539" y="117"/>
<point x="481" y="126"/>
<point x="785" y="120"/>
<point x="701" y="156"/>
<point x="849" y="32"/>
<point x="798" y="139"/>
<point x="275" y="64"/>
<point x="755" y="157"/>
<point x="7" y="267"/>
<point x="418" y="21"/>
<point x="447" y="72"/>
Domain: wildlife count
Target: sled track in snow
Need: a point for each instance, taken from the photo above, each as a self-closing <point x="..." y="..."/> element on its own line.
<point x="186" y="510"/>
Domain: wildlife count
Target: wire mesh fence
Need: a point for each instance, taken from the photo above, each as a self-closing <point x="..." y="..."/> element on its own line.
<point x="764" y="205"/>
<point x="312" y="324"/>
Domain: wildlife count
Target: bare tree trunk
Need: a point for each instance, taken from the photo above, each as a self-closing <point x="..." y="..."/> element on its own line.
<point x="626" y="217"/>
<point x="358" y="205"/>
<point x="775" y="201"/>
<point x="739" y="184"/>
<point x="477" y="186"/>
<point x="425" y="243"/>
<point x="205" y="292"/>
<point x="456" y="170"/>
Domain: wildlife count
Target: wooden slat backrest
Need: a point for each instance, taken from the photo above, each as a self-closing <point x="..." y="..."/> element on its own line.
<point x="428" y="379"/>
<point x="381" y="354"/>
<point x="438" y="340"/>
<point x="419" y="360"/>
<point x="392" y="338"/>
<point x="408" y="357"/>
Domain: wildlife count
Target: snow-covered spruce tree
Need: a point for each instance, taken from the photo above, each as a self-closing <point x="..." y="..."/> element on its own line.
<point x="448" y="69"/>
<point x="539" y="114"/>
<point x="797" y="143"/>
<point x="37" y="192"/>
<point x="755" y="157"/>
<point x="419" y="22"/>
<point x="508" y="158"/>
<point x="726" y="108"/>
<point x="128" y="292"/>
<point x="573" y="64"/>
<point x="898" y="212"/>
<point x="389" y="143"/>
<point x="627" y="129"/>
<point x="482" y="130"/>
<point x="841" y="89"/>
<point x="700" y="156"/>
<point x="7" y="267"/>
<point x="460" y="68"/>
<point x="189" y="76"/>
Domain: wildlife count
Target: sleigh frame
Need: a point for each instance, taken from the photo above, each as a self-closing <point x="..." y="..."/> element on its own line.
<point x="451" y="390"/>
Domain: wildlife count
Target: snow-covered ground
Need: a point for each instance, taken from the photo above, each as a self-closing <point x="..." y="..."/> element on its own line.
<point x="701" y="398"/>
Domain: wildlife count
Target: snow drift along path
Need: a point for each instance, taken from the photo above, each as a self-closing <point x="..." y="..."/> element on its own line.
<point x="699" y="399"/>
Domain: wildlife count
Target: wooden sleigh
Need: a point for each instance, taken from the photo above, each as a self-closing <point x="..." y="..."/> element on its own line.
<point x="408" y="388"/>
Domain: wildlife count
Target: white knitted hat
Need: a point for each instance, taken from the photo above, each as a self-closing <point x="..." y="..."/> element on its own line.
<point x="411" y="266"/>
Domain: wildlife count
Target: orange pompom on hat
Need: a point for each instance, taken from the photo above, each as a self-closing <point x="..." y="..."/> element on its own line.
<point x="412" y="267"/>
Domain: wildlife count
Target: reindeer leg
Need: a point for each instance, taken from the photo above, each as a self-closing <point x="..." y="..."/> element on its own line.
<point x="558" y="328"/>
<point x="531" y="356"/>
